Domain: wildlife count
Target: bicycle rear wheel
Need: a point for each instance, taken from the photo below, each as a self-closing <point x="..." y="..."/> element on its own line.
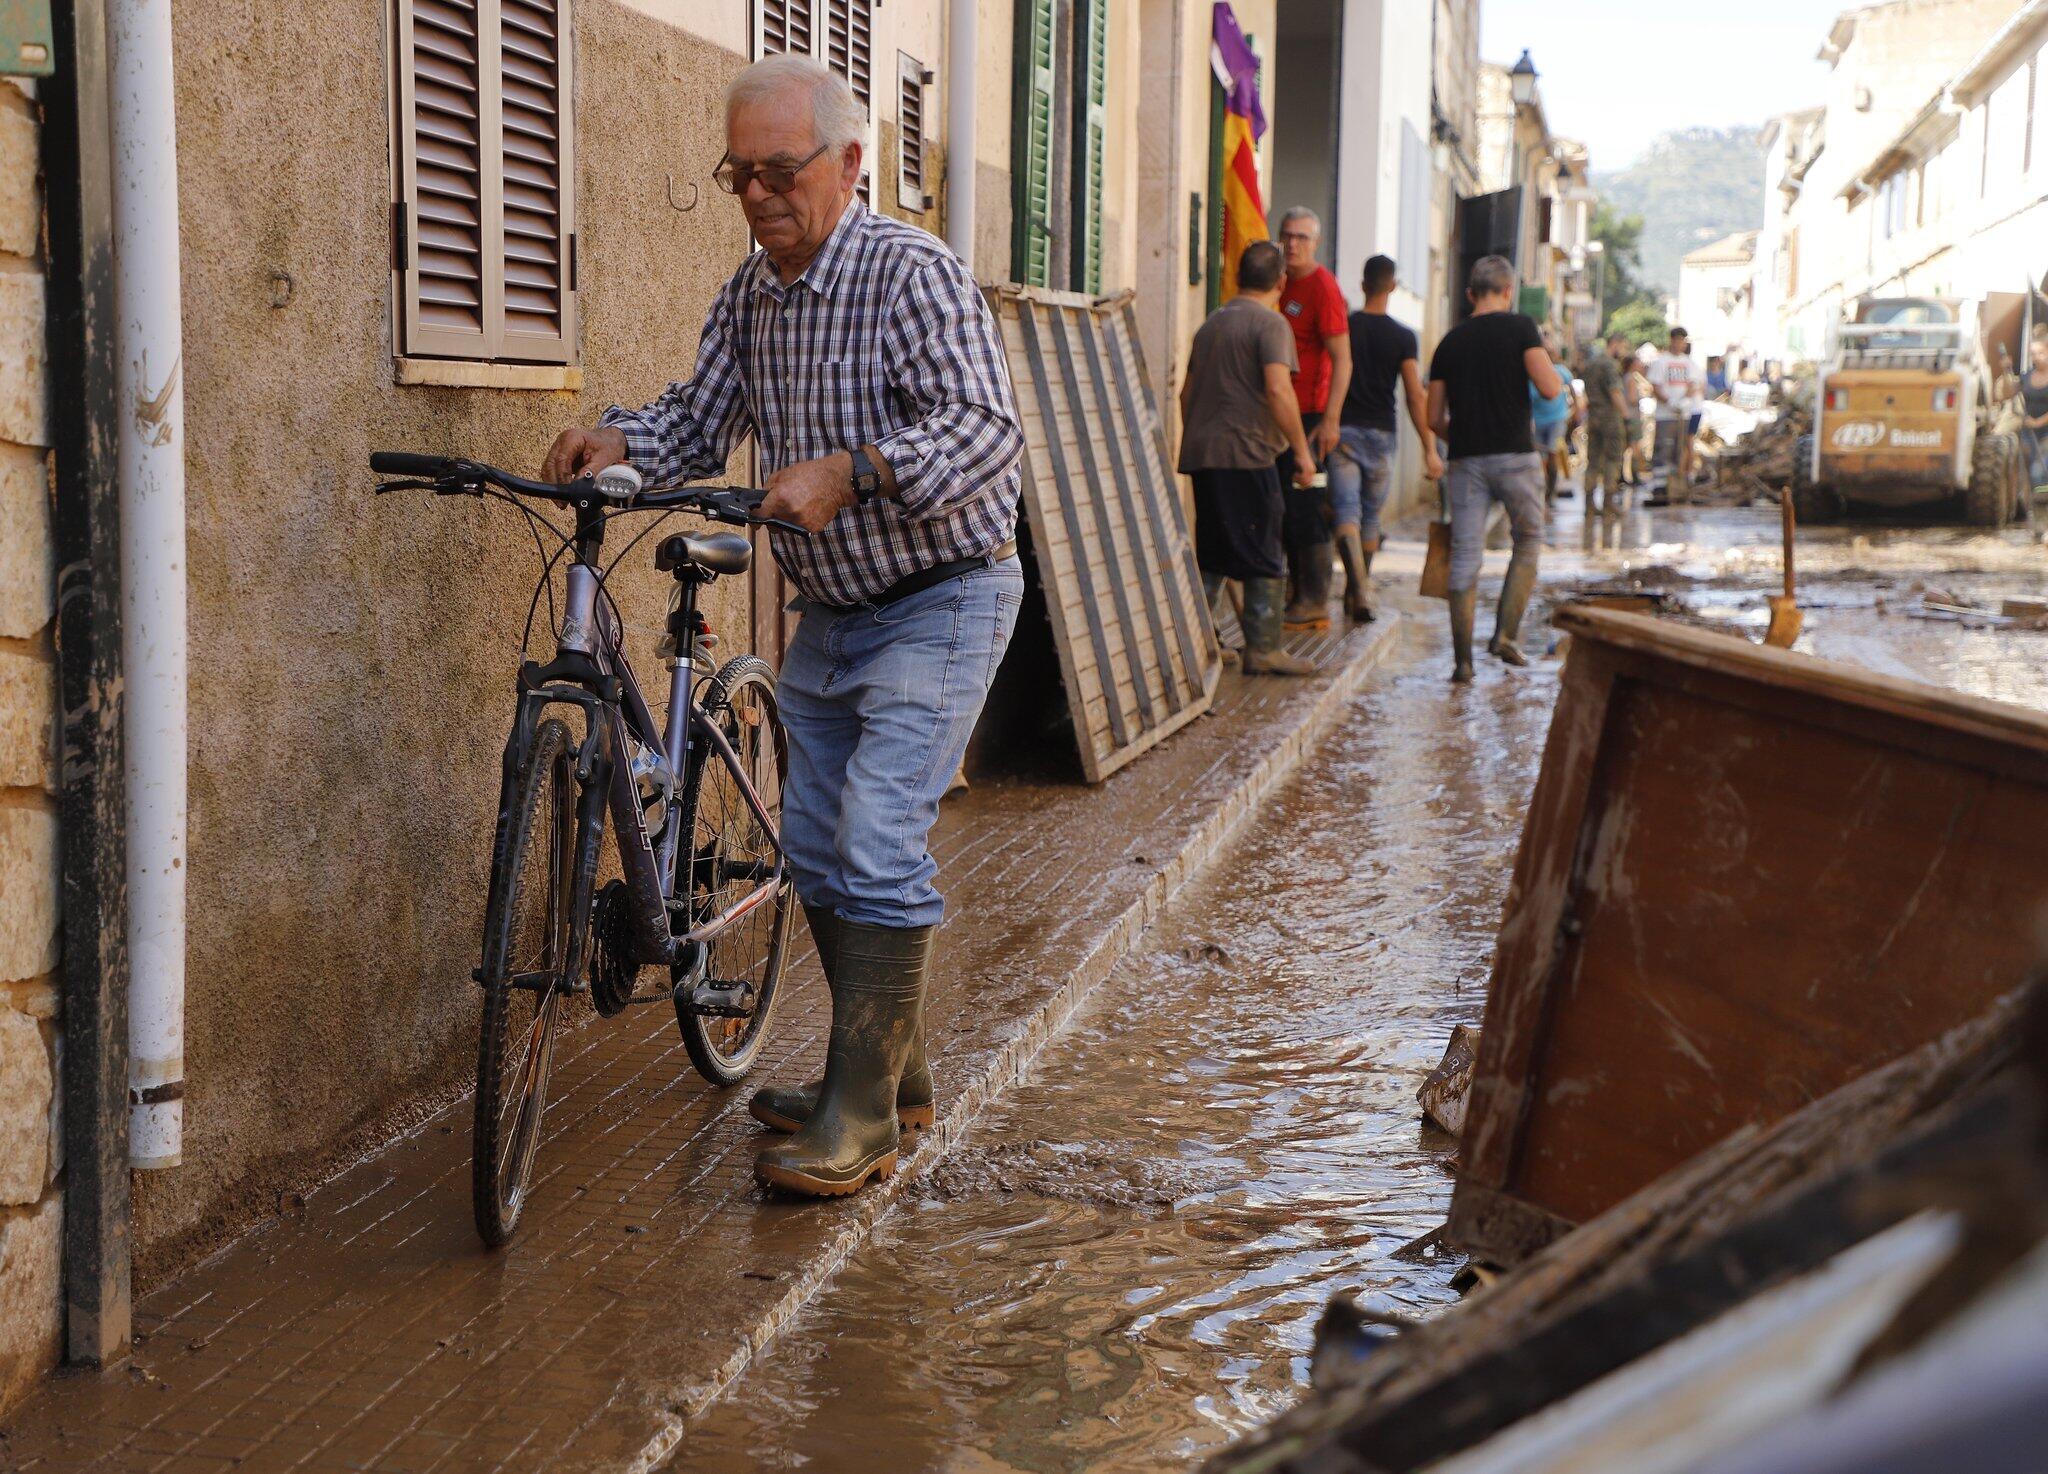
<point x="731" y="856"/>
<point x="526" y="936"/>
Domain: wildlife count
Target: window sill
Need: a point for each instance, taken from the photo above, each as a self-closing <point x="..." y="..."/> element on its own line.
<point x="455" y="373"/>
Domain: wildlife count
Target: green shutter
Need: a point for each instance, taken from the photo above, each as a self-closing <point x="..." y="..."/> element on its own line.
<point x="1093" y="18"/>
<point x="1032" y="238"/>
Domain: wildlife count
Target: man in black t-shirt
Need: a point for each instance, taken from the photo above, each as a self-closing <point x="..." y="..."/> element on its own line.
<point x="1361" y="469"/>
<point x="1479" y="382"/>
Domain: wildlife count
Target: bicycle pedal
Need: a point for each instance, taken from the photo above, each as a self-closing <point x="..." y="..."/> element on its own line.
<point x="713" y="999"/>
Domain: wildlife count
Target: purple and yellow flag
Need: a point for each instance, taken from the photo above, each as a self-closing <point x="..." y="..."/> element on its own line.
<point x="1244" y="124"/>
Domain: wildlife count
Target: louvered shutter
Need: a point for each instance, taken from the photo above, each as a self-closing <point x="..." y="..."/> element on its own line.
<point x="783" y="25"/>
<point x="1089" y="115"/>
<point x="1032" y="235"/>
<point x="912" y="80"/>
<point x="533" y="45"/>
<point x="485" y="256"/>
<point x="850" y="51"/>
<point x="443" y="177"/>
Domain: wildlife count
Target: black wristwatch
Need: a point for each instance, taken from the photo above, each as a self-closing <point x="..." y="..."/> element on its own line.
<point x="867" y="477"/>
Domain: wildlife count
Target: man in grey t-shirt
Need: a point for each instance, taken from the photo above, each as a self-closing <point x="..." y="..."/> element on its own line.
<point x="1237" y="413"/>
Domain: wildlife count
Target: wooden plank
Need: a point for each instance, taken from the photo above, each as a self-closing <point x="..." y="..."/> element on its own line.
<point x="1174" y="687"/>
<point x="1197" y="634"/>
<point x="1035" y="355"/>
<point x="1747" y="877"/>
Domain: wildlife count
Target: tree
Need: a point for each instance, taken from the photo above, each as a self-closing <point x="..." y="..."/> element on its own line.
<point x="1621" y="282"/>
<point x="1641" y="321"/>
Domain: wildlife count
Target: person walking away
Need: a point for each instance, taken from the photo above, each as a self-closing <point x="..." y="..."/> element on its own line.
<point x="1681" y="390"/>
<point x="1547" y="420"/>
<point x="1361" y="469"/>
<point x="1314" y="307"/>
<point x="1479" y="380"/>
<point x="861" y="356"/>
<point x="1237" y="414"/>
<point x="2034" y="409"/>
<point x="1636" y="390"/>
<point x="1606" y="426"/>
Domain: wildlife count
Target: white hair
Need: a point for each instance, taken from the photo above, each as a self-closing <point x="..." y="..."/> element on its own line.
<point x="836" y="118"/>
<point x="1303" y="212"/>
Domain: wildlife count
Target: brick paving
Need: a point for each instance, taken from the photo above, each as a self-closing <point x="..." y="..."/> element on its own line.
<point x="372" y="1331"/>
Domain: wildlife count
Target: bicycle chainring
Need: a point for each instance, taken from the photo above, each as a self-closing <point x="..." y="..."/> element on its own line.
<point x="612" y="968"/>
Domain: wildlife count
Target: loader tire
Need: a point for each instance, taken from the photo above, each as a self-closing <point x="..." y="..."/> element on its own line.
<point x="1811" y="503"/>
<point x="1993" y="493"/>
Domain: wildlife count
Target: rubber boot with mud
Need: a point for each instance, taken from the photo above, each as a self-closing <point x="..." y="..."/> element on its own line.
<point x="1357" y="561"/>
<point x="1514" y="603"/>
<point x="1314" y="572"/>
<point x="786" y="1107"/>
<point x="1262" y="653"/>
<point x="1464" y="609"/>
<point x="877" y="998"/>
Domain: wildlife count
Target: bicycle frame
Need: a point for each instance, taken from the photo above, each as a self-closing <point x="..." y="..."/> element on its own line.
<point x="590" y="669"/>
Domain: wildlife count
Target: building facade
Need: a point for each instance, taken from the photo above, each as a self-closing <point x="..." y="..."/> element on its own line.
<point x="1542" y="180"/>
<point x="1715" y="303"/>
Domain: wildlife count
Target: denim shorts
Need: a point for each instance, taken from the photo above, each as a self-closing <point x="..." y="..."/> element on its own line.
<point x="1547" y="436"/>
<point x="1361" y="471"/>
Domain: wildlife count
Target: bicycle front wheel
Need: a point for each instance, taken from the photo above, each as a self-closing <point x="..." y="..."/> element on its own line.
<point x="731" y="858"/>
<point x="526" y="961"/>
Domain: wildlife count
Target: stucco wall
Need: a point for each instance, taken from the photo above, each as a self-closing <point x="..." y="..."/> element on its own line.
<point x="352" y="658"/>
<point x="31" y="1149"/>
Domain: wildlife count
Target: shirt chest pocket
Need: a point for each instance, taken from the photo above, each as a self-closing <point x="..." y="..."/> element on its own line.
<point x="843" y="402"/>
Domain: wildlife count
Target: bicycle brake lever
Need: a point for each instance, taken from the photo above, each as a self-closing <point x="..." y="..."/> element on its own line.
<point x="383" y="486"/>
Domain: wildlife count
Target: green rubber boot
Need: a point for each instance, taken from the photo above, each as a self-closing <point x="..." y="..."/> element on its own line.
<point x="1464" y="609"/>
<point x="787" y="1107"/>
<point x="1514" y="603"/>
<point x="1262" y="653"/>
<point x="877" y="996"/>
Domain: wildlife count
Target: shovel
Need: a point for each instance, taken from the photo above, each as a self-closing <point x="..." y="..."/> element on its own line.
<point x="1785" y="616"/>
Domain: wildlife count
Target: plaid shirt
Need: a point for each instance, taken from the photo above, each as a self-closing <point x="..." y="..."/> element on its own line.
<point x="884" y="341"/>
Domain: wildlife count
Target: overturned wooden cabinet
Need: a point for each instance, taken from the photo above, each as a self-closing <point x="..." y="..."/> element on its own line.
<point x="1747" y="877"/>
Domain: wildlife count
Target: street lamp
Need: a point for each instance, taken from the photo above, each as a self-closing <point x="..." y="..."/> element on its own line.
<point x="1522" y="80"/>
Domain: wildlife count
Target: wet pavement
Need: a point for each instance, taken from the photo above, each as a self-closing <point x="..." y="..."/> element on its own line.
<point x="1122" y="1266"/>
<point x="1118" y="1263"/>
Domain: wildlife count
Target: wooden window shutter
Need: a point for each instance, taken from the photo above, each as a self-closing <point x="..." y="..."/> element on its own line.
<point x="1032" y="236"/>
<point x="911" y="81"/>
<point x="850" y="51"/>
<point x="1089" y="127"/>
<point x="485" y="225"/>
<point x="783" y="25"/>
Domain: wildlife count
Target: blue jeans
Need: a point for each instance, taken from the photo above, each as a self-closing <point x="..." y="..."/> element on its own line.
<point x="1471" y="484"/>
<point x="879" y="704"/>
<point x="1361" y="472"/>
<point x="2035" y="444"/>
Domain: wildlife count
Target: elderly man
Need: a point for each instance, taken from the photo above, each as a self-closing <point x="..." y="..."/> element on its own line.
<point x="863" y="359"/>
<point x="1314" y="307"/>
<point x="1479" y="381"/>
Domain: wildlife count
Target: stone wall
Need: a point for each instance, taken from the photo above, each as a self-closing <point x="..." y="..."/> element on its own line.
<point x="31" y="1204"/>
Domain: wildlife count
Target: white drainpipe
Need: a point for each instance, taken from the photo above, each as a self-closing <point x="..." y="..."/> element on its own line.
<point x="150" y="409"/>
<point x="962" y="17"/>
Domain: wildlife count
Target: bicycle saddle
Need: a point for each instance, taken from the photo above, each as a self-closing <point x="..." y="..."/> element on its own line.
<point x="714" y="552"/>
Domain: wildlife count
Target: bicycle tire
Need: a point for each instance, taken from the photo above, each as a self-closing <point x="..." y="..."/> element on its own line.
<point x="727" y="850"/>
<point x="535" y="842"/>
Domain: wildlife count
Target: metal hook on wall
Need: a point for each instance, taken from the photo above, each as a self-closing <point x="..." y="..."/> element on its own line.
<point x="672" y="195"/>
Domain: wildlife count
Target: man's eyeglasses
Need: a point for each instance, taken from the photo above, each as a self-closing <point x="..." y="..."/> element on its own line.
<point x="775" y="178"/>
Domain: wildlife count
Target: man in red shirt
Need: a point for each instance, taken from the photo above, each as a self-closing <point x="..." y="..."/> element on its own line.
<point x="1314" y="307"/>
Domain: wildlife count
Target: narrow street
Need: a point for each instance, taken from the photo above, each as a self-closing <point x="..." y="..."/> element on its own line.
<point x="1123" y="1265"/>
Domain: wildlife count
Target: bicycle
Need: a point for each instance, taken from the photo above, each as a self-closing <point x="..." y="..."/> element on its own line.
<point x="584" y="741"/>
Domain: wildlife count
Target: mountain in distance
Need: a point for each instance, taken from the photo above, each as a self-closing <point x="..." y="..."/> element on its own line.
<point x="1692" y="186"/>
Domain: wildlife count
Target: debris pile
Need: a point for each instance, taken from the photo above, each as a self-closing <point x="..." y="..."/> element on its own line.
<point x="1756" y="1135"/>
<point x="1760" y="463"/>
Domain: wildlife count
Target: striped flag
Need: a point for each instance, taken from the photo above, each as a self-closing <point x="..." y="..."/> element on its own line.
<point x="1244" y="123"/>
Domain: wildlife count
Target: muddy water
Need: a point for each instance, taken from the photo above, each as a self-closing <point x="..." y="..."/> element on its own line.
<point x="1123" y="1267"/>
<point x="1125" y="1263"/>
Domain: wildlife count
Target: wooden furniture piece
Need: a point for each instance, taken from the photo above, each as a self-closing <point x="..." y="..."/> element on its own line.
<point x="1110" y="537"/>
<point x="1747" y="877"/>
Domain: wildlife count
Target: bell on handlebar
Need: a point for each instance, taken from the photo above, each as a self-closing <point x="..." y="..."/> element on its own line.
<point x="620" y="483"/>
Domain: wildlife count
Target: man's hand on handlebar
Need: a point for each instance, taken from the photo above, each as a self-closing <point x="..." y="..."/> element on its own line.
<point x="579" y="452"/>
<point x="811" y="493"/>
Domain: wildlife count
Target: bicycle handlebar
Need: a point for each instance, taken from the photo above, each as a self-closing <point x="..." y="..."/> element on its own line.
<point x="455" y="476"/>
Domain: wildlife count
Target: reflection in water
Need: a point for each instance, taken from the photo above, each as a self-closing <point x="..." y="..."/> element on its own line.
<point x="1122" y="1269"/>
<point x="1125" y="1265"/>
